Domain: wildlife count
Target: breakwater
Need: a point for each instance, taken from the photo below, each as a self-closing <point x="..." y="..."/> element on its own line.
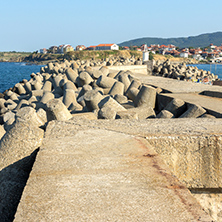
<point x="74" y="91"/>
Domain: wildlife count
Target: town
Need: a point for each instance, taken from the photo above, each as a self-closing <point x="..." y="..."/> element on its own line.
<point x="212" y="52"/>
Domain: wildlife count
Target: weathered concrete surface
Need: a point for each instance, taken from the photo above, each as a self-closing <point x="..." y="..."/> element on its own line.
<point x="86" y="174"/>
<point x="135" y="69"/>
<point x="176" y="86"/>
<point x="211" y="104"/>
<point x="190" y="147"/>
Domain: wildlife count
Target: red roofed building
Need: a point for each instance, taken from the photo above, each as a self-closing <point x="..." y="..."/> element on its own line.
<point x="107" y="47"/>
<point x="80" y="47"/>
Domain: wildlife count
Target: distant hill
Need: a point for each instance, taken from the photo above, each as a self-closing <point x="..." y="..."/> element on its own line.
<point x="202" y="40"/>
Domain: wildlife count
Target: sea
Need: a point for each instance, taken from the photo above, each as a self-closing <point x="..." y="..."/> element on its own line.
<point x="216" y="69"/>
<point x="12" y="73"/>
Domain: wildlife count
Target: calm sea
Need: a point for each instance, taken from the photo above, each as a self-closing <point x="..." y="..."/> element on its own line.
<point x="12" y="73"/>
<point x="214" y="68"/>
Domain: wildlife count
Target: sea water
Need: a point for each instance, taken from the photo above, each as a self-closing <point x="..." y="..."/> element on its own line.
<point x="12" y="73"/>
<point x="213" y="68"/>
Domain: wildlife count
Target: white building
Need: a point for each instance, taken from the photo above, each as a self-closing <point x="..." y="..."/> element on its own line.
<point x="107" y="47"/>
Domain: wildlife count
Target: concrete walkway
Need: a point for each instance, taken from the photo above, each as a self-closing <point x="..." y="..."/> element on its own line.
<point x="176" y="86"/>
<point x="83" y="174"/>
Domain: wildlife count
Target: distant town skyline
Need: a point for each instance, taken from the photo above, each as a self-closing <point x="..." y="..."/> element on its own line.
<point x="31" y="25"/>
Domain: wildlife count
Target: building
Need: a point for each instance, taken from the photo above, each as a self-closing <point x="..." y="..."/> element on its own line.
<point x="53" y="49"/>
<point x="92" y="47"/>
<point x="184" y="53"/>
<point x="43" y="51"/>
<point x="67" y="48"/>
<point x="80" y="47"/>
<point x="107" y="47"/>
<point x="60" y="49"/>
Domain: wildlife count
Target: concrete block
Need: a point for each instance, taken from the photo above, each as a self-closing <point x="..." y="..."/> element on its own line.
<point x="92" y="98"/>
<point x="28" y="115"/>
<point x="125" y="80"/>
<point x="143" y="112"/>
<point x="84" y="79"/>
<point x="69" y="85"/>
<point x="193" y="111"/>
<point x="117" y="88"/>
<point x="28" y="87"/>
<point x="104" y="70"/>
<point x="108" y="101"/>
<point x="105" y="82"/>
<point x="22" y="103"/>
<point x="146" y="97"/>
<point x="127" y="115"/>
<point x="165" y="114"/>
<point x="96" y="74"/>
<point x="132" y="93"/>
<point x="176" y="107"/>
<point x="107" y="113"/>
<point x="120" y="98"/>
<point x="71" y="75"/>
<point x="47" y="87"/>
<point x="134" y="84"/>
<point x="83" y="90"/>
<point x="46" y="97"/>
<point x="69" y="97"/>
<point x="20" y="89"/>
<point x="56" y="110"/>
<point x="2" y="131"/>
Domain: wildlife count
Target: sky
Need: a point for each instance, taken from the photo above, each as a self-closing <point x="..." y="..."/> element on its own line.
<point x="30" y="25"/>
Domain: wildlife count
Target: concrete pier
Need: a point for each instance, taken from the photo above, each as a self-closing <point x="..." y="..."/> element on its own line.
<point x="87" y="174"/>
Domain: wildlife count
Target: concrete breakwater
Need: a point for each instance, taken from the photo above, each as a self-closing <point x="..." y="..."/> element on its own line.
<point x="182" y="72"/>
<point x="72" y="91"/>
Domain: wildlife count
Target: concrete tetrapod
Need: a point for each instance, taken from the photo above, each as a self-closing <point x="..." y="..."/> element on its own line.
<point x="146" y="97"/>
<point x="105" y="82"/>
<point x="117" y="88"/>
<point x="69" y="97"/>
<point x="56" y="110"/>
<point x="165" y="114"/>
<point x="71" y="75"/>
<point x="193" y="111"/>
<point x="29" y="116"/>
<point x="108" y="101"/>
<point x="92" y="99"/>
<point x="176" y="107"/>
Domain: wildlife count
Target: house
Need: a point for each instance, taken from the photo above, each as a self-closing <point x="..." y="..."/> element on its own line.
<point x="92" y="47"/>
<point x="197" y="57"/>
<point x="43" y="51"/>
<point x="171" y="47"/>
<point x="125" y="48"/>
<point x="60" y="49"/>
<point x="67" y="48"/>
<point x="184" y="53"/>
<point x="212" y="46"/>
<point x="53" y="49"/>
<point x="107" y="47"/>
<point x="80" y="47"/>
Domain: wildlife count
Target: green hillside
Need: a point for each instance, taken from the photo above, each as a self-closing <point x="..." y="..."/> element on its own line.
<point x="202" y="40"/>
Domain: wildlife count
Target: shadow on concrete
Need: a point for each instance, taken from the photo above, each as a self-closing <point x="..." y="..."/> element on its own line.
<point x="13" y="179"/>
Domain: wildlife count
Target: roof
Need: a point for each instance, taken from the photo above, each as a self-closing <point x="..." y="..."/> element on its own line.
<point x="92" y="46"/>
<point x="101" y="45"/>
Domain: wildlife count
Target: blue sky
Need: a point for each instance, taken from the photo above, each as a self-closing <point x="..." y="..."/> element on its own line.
<point x="31" y="25"/>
